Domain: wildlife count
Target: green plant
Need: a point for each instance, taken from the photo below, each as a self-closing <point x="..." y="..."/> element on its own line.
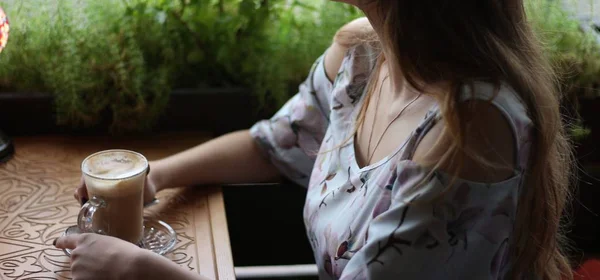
<point x="574" y="51"/>
<point x="266" y="46"/>
<point x="90" y="57"/>
<point x="116" y="61"/>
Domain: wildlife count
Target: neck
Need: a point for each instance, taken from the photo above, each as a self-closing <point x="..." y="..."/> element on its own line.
<point x="398" y="84"/>
<point x="377" y="20"/>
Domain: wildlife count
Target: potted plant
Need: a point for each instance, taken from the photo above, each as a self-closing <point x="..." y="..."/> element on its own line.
<point x="133" y="65"/>
<point x="574" y="47"/>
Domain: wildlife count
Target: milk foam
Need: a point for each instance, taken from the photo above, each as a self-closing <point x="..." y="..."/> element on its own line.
<point x="114" y="165"/>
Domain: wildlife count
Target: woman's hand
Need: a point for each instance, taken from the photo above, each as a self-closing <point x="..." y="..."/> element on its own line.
<point x="150" y="189"/>
<point x="95" y="256"/>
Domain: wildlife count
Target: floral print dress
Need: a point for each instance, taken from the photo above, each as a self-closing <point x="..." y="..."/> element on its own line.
<point x="374" y="222"/>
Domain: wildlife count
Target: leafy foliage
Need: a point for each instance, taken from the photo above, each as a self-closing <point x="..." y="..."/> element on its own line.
<point x="91" y="57"/>
<point x="575" y="52"/>
<point x="116" y="61"/>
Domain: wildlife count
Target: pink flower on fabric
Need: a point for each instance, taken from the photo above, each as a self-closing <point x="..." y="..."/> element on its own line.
<point x="308" y="143"/>
<point x="309" y="117"/>
<point x="383" y="204"/>
<point x="386" y="178"/>
<point x="495" y="229"/>
<point x="409" y="174"/>
<point x="327" y="259"/>
<point x="298" y="110"/>
<point x="499" y="224"/>
<point x="284" y="136"/>
<point x="500" y="260"/>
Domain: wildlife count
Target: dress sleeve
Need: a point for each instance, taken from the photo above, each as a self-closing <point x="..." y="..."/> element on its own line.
<point x="432" y="232"/>
<point x="292" y="137"/>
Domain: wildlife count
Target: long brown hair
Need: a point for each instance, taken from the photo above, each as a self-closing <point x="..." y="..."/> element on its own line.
<point x="457" y="42"/>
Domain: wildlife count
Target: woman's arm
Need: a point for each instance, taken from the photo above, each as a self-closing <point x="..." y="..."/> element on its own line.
<point x="232" y="158"/>
<point x="351" y="34"/>
<point x="235" y="157"/>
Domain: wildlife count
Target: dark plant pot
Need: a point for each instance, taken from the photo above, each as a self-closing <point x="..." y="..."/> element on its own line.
<point x="216" y="110"/>
<point x="587" y="149"/>
<point x="585" y="220"/>
<point x="26" y="113"/>
<point x="586" y="210"/>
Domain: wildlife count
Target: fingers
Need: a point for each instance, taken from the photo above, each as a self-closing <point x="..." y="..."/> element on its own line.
<point x="148" y="197"/>
<point x="67" y="242"/>
<point x="81" y="194"/>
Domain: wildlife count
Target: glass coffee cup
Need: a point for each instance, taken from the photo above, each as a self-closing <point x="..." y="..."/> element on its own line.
<point x="115" y="184"/>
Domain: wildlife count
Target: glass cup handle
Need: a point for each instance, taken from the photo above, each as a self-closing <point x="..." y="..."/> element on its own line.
<point x="86" y="215"/>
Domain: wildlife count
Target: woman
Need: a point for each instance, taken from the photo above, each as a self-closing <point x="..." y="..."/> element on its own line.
<point x="429" y="137"/>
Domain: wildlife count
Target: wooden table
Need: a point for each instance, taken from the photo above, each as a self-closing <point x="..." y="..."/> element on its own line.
<point x="37" y="205"/>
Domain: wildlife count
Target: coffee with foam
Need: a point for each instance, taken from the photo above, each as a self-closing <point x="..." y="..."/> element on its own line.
<point x="117" y="177"/>
<point x="114" y="164"/>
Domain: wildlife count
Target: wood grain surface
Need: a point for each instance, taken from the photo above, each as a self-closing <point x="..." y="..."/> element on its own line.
<point x="37" y="205"/>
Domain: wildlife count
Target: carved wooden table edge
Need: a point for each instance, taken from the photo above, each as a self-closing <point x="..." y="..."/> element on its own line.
<point x="36" y="205"/>
<point x="199" y="217"/>
<point x="220" y="235"/>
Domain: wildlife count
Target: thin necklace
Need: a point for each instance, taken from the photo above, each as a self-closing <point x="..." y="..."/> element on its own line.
<point x="388" y="126"/>
<point x="375" y="117"/>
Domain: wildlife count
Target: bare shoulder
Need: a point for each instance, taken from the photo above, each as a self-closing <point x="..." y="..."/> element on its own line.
<point x="349" y="35"/>
<point x="354" y="32"/>
<point x="489" y="139"/>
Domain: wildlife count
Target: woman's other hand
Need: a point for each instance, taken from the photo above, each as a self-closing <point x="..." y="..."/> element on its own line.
<point x="95" y="256"/>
